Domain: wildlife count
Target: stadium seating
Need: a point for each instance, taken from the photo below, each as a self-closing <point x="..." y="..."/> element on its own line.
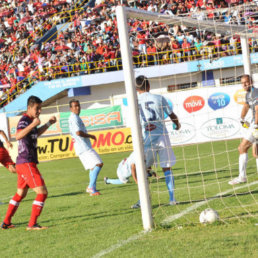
<point x="89" y="44"/>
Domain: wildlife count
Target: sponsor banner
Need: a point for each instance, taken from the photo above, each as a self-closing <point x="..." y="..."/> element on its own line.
<point x="206" y="114"/>
<point x="62" y="147"/>
<point x="95" y="118"/>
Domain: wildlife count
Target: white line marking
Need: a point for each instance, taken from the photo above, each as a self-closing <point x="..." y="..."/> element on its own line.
<point x="167" y="220"/>
<point x="197" y="205"/>
<point x="118" y="245"/>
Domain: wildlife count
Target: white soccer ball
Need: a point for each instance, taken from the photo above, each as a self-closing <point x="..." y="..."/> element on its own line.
<point x="208" y="216"/>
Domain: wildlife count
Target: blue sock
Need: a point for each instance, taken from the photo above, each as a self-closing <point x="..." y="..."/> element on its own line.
<point x="93" y="176"/>
<point x="114" y="181"/>
<point x="170" y="184"/>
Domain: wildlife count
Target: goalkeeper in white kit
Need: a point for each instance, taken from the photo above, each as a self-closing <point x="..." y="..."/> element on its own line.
<point x="251" y="137"/>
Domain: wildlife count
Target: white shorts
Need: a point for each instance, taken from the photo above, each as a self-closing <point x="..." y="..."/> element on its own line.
<point x="90" y="159"/>
<point x="163" y="148"/>
<point x="248" y="135"/>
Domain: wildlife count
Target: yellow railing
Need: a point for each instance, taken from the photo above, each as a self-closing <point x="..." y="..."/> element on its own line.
<point x="142" y="60"/>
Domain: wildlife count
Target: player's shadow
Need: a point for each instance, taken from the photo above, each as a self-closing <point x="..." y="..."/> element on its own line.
<point x="89" y="216"/>
<point x="65" y="194"/>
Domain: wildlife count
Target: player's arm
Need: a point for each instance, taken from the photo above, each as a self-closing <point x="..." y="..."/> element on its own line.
<point x="244" y="111"/>
<point x="133" y="170"/>
<point x="174" y="119"/>
<point x="44" y="127"/>
<point x="21" y="133"/>
<point x="8" y="143"/>
<point x="86" y="135"/>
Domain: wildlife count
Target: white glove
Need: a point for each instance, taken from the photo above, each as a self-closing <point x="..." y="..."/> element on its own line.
<point x="244" y="123"/>
<point x="255" y="132"/>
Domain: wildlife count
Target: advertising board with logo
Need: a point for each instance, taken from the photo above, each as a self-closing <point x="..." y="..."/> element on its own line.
<point x="62" y="147"/>
<point x="207" y="114"/>
<point x="98" y="118"/>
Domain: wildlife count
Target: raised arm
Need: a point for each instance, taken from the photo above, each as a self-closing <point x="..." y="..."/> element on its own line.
<point x="44" y="127"/>
<point x="23" y="132"/>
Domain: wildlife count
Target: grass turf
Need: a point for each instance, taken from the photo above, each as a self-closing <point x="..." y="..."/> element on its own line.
<point x="83" y="226"/>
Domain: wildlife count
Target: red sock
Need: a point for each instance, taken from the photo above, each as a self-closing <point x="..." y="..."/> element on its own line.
<point x="37" y="208"/>
<point x="13" y="206"/>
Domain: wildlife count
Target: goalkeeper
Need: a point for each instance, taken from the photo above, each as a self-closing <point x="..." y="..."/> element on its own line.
<point x="251" y="137"/>
<point x="126" y="168"/>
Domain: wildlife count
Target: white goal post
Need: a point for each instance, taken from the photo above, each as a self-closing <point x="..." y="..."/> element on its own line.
<point x="123" y="13"/>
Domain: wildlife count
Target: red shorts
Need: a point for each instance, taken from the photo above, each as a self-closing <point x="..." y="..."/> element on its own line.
<point x="5" y="158"/>
<point x="29" y="175"/>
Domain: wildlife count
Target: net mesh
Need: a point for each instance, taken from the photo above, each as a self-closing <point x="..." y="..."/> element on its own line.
<point x="199" y="66"/>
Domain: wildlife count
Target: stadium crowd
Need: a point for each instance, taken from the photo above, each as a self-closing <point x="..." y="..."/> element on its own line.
<point x="90" y="42"/>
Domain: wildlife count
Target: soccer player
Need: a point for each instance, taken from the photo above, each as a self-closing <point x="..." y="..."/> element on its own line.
<point x="126" y="168"/>
<point x="5" y="158"/>
<point x="26" y="164"/>
<point x="152" y="109"/>
<point x="251" y="137"/>
<point x="88" y="156"/>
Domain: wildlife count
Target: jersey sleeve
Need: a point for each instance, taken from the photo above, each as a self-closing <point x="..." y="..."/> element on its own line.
<point x="165" y="106"/>
<point x="23" y="123"/>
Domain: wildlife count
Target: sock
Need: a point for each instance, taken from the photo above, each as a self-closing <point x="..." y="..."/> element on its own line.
<point x="93" y="176"/>
<point x="243" y="158"/>
<point x="37" y="207"/>
<point x="13" y="206"/>
<point x="170" y="184"/>
<point x="114" y="181"/>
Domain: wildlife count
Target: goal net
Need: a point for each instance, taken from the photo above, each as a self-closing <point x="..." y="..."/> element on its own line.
<point x="195" y="61"/>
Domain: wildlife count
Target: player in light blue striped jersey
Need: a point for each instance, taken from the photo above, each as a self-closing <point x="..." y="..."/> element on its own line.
<point x="153" y="109"/>
<point x="88" y="156"/>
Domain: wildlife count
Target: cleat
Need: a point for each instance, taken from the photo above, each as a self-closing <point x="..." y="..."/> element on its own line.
<point x="89" y="190"/>
<point x="7" y="226"/>
<point x="36" y="227"/>
<point x="171" y="203"/>
<point x="105" y="180"/>
<point x="136" y="205"/>
<point x="96" y="193"/>
<point x="237" y="180"/>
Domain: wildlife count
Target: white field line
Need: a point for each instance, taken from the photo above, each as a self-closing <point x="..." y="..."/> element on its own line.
<point x="168" y="220"/>
<point x="198" y="204"/>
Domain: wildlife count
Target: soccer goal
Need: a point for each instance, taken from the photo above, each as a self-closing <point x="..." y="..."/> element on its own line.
<point x="195" y="61"/>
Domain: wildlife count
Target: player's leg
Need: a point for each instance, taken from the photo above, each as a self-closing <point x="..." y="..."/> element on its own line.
<point x="36" y="182"/>
<point x="92" y="161"/>
<point x="14" y="204"/>
<point x="255" y="154"/>
<point x="116" y="181"/>
<point x="167" y="159"/>
<point x="243" y="158"/>
<point x="37" y="207"/>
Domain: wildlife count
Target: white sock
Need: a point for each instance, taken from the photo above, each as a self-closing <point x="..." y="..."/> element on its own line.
<point x="243" y="158"/>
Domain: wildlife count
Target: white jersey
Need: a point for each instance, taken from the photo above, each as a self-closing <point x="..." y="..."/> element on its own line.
<point x="124" y="168"/>
<point x="81" y="144"/>
<point x="152" y="109"/>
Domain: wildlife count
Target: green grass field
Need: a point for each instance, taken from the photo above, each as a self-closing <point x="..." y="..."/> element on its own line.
<point x="84" y="226"/>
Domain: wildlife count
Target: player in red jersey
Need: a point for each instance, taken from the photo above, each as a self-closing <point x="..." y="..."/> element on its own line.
<point x="26" y="164"/>
<point x="5" y="158"/>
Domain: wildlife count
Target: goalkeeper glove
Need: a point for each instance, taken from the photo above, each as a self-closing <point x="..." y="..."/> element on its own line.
<point x="255" y="132"/>
<point x="244" y="123"/>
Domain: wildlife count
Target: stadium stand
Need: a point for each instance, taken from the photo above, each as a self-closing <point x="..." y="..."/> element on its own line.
<point x="87" y="39"/>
